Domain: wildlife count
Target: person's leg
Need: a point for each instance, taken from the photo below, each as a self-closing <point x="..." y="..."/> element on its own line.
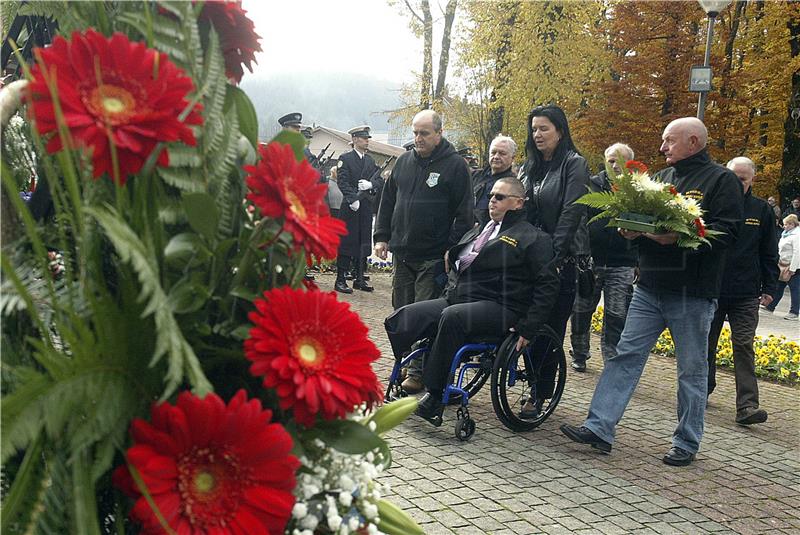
<point x="403" y="278"/>
<point x="794" y="294"/>
<point x="689" y="321"/>
<point x="413" y="322"/>
<point x="424" y="288"/>
<point x="776" y="297"/>
<point x="713" y="340"/>
<point x="743" y="317"/>
<point x="622" y="372"/>
<point x="581" y="321"/>
<point x="342" y="266"/>
<point x="617" y="294"/>
<point x="458" y="323"/>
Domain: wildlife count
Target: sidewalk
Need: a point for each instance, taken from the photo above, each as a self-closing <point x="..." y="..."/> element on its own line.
<point x="745" y="480"/>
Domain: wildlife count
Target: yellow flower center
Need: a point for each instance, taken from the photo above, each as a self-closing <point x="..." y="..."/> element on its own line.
<point x="112" y="102"/>
<point x="309" y="351"/>
<point x="295" y="205"/>
<point x="204" y="482"/>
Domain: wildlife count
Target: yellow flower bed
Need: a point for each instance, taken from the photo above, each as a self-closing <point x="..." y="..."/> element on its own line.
<point x="776" y="358"/>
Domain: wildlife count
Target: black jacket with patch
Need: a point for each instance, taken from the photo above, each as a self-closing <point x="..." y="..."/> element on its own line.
<point x="516" y="269"/>
<point x="751" y="268"/>
<point x="426" y="204"/>
<point x="695" y="273"/>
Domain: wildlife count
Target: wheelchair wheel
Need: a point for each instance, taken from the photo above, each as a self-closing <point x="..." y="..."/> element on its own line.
<point x="475" y="378"/>
<point x="538" y="373"/>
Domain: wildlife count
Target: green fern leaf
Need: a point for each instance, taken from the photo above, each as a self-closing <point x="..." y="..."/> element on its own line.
<point x="169" y="338"/>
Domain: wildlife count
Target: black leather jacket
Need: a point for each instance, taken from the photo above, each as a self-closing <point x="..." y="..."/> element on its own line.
<point x="551" y="205"/>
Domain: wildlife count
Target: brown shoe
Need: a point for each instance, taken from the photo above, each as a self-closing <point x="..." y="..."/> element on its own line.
<point x="750" y="416"/>
<point x="412" y="385"/>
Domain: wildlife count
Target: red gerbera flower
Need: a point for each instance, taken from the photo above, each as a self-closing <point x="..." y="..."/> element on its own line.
<point x="633" y="165"/>
<point x="673" y="190"/>
<point x="237" y="35"/>
<point x="211" y="468"/>
<point x="112" y="87"/>
<point x="283" y="187"/>
<point x="701" y="229"/>
<point x="314" y="351"/>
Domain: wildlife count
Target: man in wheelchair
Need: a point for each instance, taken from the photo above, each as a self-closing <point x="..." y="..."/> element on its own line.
<point x="500" y="276"/>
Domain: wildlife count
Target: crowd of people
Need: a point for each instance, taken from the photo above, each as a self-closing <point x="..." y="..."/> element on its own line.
<point x="482" y="251"/>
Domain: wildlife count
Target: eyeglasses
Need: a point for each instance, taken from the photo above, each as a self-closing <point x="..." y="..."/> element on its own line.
<point x="501" y="196"/>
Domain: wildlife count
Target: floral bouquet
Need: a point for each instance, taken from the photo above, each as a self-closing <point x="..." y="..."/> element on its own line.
<point x="639" y="203"/>
<point x="175" y="374"/>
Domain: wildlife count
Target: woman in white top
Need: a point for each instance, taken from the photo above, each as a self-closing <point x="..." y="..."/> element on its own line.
<point x="789" y="258"/>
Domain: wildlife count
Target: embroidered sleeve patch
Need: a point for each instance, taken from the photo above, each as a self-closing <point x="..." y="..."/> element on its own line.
<point x="752" y="221"/>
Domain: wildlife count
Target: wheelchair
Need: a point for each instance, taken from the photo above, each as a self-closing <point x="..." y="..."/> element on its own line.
<point x="538" y="373"/>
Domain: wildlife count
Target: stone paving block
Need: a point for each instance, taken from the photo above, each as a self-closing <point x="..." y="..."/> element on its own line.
<point x="436" y="529"/>
<point x="519" y="527"/>
<point x="609" y="528"/>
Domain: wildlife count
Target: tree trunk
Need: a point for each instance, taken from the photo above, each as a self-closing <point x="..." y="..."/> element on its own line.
<point x="427" y="56"/>
<point x="790" y="174"/>
<point x="444" y="54"/>
<point x="497" y="113"/>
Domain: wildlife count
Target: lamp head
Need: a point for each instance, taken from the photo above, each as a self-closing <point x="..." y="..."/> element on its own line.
<point x="713" y="7"/>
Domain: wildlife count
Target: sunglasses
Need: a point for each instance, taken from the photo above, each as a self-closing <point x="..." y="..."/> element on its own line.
<point x="501" y="196"/>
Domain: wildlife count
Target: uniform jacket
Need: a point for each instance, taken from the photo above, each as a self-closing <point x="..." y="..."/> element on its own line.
<point x="352" y="168"/>
<point x="695" y="273"/>
<point x="751" y="267"/>
<point x="516" y="269"/>
<point x="482" y="182"/>
<point x="609" y="248"/>
<point x="426" y="205"/>
<point x="551" y="205"/>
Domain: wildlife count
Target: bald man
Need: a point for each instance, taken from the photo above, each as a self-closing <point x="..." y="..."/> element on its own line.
<point x="426" y="206"/>
<point x="678" y="289"/>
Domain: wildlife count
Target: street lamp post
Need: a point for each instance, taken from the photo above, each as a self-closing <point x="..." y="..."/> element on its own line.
<point x="701" y="77"/>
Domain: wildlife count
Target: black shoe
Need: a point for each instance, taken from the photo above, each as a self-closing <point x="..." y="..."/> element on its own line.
<point x="583" y="435"/>
<point x="366" y="277"/>
<point x="678" y="457"/>
<point x="431" y="409"/>
<point x="579" y="365"/>
<point x="348" y="275"/>
<point x="750" y="416"/>
<point x="342" y="287"/>
<point x="362" y="285"/>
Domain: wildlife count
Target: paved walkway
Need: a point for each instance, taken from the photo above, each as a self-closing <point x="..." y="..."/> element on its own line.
<point x="745" y="480"/>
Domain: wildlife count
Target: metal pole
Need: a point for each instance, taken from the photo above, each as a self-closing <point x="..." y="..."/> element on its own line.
<point x="701" y="101"/>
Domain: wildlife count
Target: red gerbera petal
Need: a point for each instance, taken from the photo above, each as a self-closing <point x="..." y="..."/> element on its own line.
<point x="283" y="187"/>
<point x="237" y="36"/>
<point x="111" y="87"/>
<point x="633" y="165"/>
<point x="214" y="480"/>
<point x="701" y="229"/>
<point x="314" y="351"/>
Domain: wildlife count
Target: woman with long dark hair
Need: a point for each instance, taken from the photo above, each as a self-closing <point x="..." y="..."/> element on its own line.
<point x="555" y="176"/>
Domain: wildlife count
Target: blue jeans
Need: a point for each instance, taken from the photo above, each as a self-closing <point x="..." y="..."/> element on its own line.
<point x="794" y="294"/>
<point x="689" y="320"/>
<point x="616" y="284"/>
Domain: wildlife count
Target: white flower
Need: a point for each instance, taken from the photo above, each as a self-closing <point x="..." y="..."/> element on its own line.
<point x="692" y="207"/>
<point x="372" y="529"/>
<point x="370" y="510"/>
<point x="346" y="482"/>
<point x="299" y="510"/>
<point x="345" y="498"/>
<point x="353" y="523"/>
<point x="334" y="521"/>
<point x="309" y="522"/>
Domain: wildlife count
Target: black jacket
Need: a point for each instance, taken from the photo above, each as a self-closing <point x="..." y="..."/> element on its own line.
<point x="695" y="273"/>
<point x="353" y="168"/>
<point x="609" y="248"/>
<point x="551" y="205"/>
<point x="426" y="204"/>
<point x="516" y="269"/>
<point x="482" y="182"/>
<point x="751" y="267"/>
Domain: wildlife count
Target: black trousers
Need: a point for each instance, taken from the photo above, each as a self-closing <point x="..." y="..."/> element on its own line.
<point x="742" y="315"/>
<point x="557" y="320"/>
<point x="451" y="325"/>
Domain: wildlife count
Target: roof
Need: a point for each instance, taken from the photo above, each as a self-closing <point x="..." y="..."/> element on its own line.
<point x="374" y="146"/>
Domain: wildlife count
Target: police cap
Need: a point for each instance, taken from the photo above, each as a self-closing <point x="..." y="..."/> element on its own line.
<point x="291" y="119"/>
<point x="360" y="131"/>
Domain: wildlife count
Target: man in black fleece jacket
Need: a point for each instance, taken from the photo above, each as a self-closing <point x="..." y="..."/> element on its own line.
<point x="426" y="206"/>
<point x="678" y="289"/>
<point x="749" y="280"/>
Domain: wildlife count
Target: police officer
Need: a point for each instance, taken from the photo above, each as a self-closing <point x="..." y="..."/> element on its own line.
<point x="358" y="174"/>
<point x="293" y="122"/>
